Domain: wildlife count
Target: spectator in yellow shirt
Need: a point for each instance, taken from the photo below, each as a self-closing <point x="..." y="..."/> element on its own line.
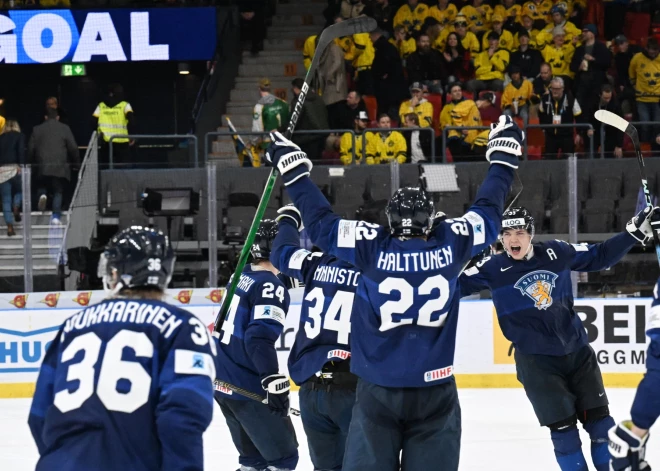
<point x="462" y="112"/>
<point x="559" y="55"/>
<point x="363" y="58"/>
<point x="527" y="27"/>
<point x="506" y="38"/>
<point x="403" y="45"/>
<point x="468" y="38"/>
<point x="309" y="48"/>
<point x="517" y="95"/>
<point x="478" y="16"/>
<point x="390" y="145"/>
<point x="510" y="11"/>
<point x="490" y="66"/>
<point x="444" y="12"/>
<point x="411" y="15"/>
<point x="644" y="72"/>
<point x="545" y="36"/>
<point x="418" y="105"/>
<point x="539" y="11"/>
<point x="346" y="143"/>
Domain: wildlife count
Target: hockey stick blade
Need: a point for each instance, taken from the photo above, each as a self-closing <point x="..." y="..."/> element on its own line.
<point x="618" y="122"/>
<point x="344" y="28"/>
<point x="222" y="385"/>
<point x="348" y="27"/>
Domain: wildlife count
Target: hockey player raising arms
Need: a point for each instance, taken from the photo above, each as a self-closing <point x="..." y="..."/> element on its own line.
<point x="531" y="288"/>
<point x="628" y="439"/>
<point x="127" y="383"/>
<point x="265" y="439"/>
<point x="320" y="357"/>
<point x="406" y="306"/>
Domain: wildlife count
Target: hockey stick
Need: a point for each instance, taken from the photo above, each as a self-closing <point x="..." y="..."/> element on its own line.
<point x="219" y="385"/>
<point x="345" y="28"/>
<point x="238" y="137"/>
<point x="621" y="124"/>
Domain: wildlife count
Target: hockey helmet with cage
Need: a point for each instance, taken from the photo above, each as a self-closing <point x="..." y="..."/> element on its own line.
<point x="263" y="240"/>
<point x="410" y="212"/>
<point x="137" y="257"/>
<point x="518" y="218"/>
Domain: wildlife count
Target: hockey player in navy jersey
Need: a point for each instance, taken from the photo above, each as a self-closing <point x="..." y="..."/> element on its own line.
<point x="263" y="434"/>
<point x="127" y="383"/>
<point x="628" y="439"/>
<point x="403" y="331"/>
<point x="532" y="293"/>
<point x="320" y="357"/>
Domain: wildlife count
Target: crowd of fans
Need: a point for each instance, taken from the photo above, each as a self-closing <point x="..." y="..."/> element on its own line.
<point x="460" y="64"/>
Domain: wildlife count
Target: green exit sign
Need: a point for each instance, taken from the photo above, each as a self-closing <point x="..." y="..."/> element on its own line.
<point x="73" y="70"/>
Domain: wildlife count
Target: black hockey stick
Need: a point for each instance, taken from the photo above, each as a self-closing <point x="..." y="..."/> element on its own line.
<point x="345" y="28"/>
<point x="621" y="124"/>
<point x="219" y="385"/>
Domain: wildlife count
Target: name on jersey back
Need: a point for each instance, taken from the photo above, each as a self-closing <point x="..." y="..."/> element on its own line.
<point x="125" y="311"/>
<point x="415" y="261"/>
<point x="336" y="275"/>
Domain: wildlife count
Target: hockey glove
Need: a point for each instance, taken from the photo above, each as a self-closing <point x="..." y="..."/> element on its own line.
<point x="277" y="391"/>
<point x="640" y="226"/>
<point x="291" y="212"/>
<point x="627" y="449"/>
<point x="288" y="158"/>
<point x="505" y="142"/>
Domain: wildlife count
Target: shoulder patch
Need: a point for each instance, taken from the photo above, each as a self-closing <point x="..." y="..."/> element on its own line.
<point x="190" y="362"/>
<point x="478" y="227"/>
<point x="584" y="247"/>
<point x="297" y="259"/>
<point x="346" y="234"/>
<point x="268" y="312"/>
<point x="471" y="271"/>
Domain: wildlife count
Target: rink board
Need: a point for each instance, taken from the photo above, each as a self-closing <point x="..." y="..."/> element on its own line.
<point x="484" y="358"/>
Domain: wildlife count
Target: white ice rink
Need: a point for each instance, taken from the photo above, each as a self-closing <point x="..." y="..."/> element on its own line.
<point x="500" y="432"/>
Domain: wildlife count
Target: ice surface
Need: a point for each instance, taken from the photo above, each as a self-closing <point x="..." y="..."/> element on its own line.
<point x="500" y="432"/>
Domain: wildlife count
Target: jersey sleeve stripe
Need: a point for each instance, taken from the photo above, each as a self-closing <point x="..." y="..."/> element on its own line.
<point x="346" y="234"/>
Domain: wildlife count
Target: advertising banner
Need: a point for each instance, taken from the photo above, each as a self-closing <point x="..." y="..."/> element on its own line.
<point x="484" y="358"/>
<point x="115" y="35"/>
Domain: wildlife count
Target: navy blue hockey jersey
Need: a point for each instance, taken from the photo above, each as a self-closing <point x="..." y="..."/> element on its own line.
<point x="406" y="307"/>
<point x="534" y="298"/>
<point x="325" y="314"/>
<point x="646" y="407"/>
<point x="254" y="322"/>
<point x="125" y="385"/>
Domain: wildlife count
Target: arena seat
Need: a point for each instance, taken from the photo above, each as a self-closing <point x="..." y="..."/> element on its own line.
<point x="436" y="100"/>
<point x="372" y="106"/>
<point x="625" y="211"/>
<point x="559" y="218"/>
<point x="598" y="216"/>
<point x="379" y="184"/>
<point x="637" y="26"/>
<point x="605" y="182"/>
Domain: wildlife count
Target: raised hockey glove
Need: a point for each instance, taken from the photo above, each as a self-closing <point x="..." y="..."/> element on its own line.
<point x="288" y="158"/>
<point x="290" y="212"/>
<point x="277" y="391"/>
<point x="505" y="142"/>
<point x="627" y="449"/>
<point x="640" y="226"/>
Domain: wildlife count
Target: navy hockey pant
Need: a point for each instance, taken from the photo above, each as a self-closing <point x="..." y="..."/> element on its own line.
<point x="326" y="416"/>
<point x="422" y="425"/>
<point x="261" y="438"/>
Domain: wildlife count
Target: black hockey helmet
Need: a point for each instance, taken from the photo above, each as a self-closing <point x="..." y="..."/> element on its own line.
<point x="410" y="212"/>
<point x="518" y="218"/>
<point x="263" y="240"/>
<point x="140" y="257"/>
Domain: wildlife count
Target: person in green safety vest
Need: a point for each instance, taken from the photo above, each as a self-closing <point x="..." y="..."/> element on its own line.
<point x="270" y="114"/>
<point x="114" y="116"/>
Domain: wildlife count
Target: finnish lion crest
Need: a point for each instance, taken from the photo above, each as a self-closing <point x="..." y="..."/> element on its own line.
<point x="538" y="286"/>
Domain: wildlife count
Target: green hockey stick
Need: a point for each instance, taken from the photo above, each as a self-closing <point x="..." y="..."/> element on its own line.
<point x="345" y="28"/>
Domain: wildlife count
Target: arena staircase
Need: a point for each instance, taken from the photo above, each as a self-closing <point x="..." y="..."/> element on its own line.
<point x="281" y="61"/>
<point x="46" y="244"/>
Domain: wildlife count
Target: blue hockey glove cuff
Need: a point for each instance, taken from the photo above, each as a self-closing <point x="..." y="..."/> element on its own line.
<point x="627" y="449"/>
<point x="505" y="142"/>
<point x="277" y="390"/>
<point x="290" y="212"/>
<point x="291" y="162"/>
<point x="640" y="226"/>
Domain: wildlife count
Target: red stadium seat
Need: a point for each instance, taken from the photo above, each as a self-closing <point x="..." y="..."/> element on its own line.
<point x="637" y="26"/>
<point x="436" y="100"/>
<point x="372" y="106"/>
<point x="534" y="153"/>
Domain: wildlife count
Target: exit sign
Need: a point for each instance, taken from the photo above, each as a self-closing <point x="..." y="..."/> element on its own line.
<point x="73" y="70"/>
